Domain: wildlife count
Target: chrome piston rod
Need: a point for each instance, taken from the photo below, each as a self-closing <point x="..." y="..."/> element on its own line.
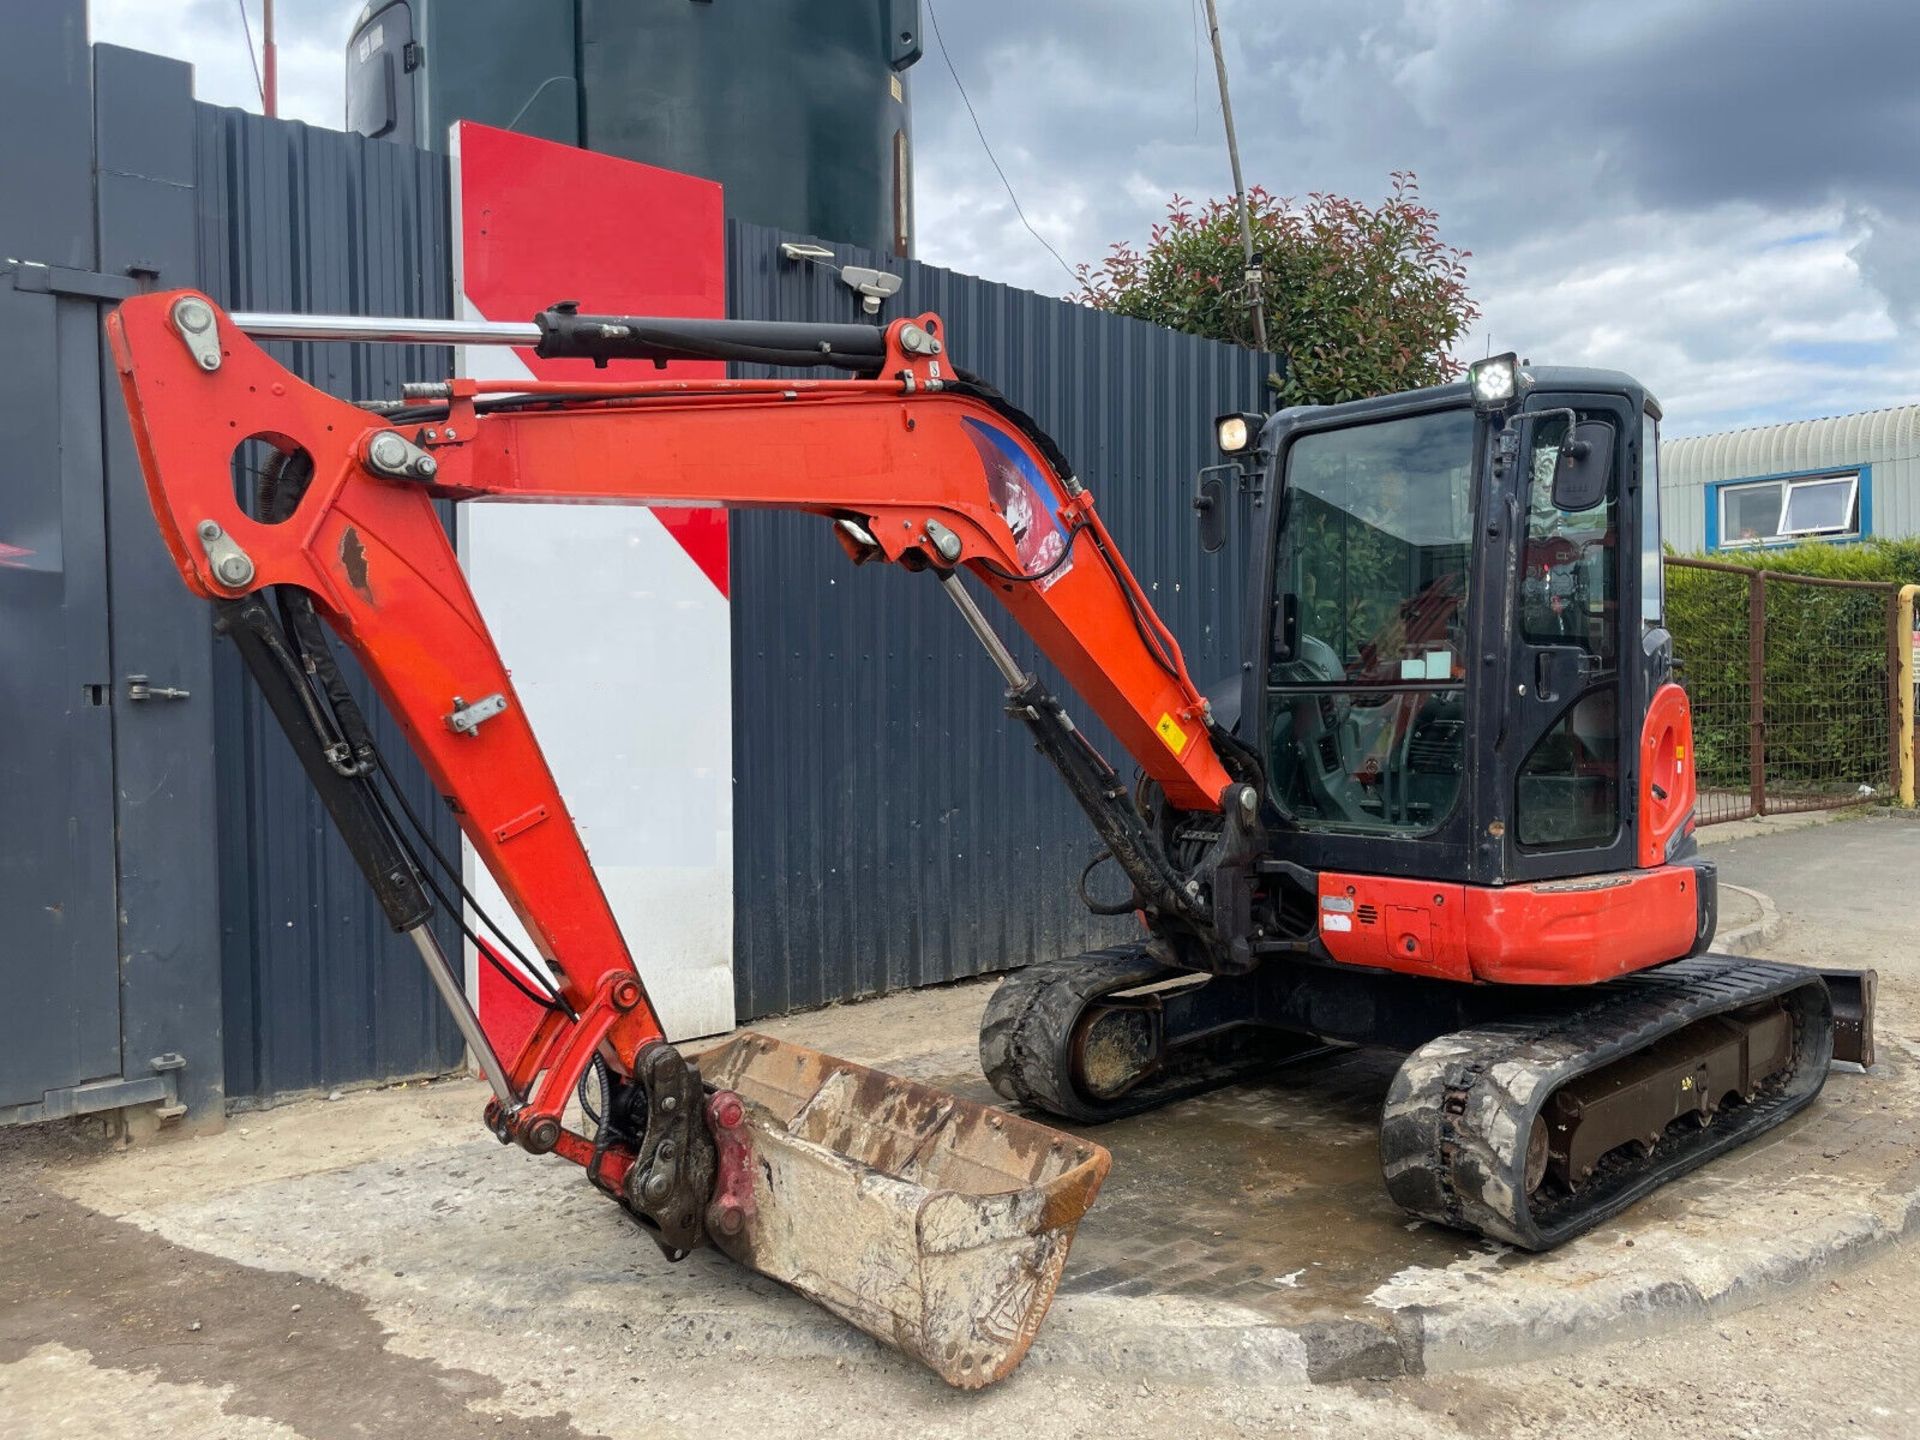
<point x="560" y="334"/>
<point x="1010" y="669"/>
<point x="440" y="971"/>
<point x="388" y="329"/>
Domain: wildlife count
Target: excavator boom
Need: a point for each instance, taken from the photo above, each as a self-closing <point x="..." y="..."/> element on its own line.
<point x="964" y="1214"/>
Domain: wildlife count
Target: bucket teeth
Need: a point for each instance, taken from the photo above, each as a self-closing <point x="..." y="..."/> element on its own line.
<point x="936" y="1224"/>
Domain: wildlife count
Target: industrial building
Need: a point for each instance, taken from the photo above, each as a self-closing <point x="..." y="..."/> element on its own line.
<point x="1841" y="478"/>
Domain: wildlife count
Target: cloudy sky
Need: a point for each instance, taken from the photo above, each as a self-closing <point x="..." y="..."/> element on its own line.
<point x="1722" y="196"/>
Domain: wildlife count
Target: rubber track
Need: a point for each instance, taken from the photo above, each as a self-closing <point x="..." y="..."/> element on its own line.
<point x="1026" y="1038"/>
<point x="1454" y="1128"/>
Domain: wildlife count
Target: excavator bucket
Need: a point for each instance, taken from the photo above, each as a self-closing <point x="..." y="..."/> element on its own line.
<point x="935" y="1224"/>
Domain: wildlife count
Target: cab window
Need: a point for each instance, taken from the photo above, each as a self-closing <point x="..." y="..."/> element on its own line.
<point x="1366" y="727"/>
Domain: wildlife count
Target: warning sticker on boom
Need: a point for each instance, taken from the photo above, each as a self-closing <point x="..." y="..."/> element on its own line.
<point x="1171" y="733"/>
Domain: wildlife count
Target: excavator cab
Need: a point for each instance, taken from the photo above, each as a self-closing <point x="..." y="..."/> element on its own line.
<point x="1456" y="622"/>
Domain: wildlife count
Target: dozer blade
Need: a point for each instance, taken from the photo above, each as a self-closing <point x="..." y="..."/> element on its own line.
<point x="935" y="1224"/>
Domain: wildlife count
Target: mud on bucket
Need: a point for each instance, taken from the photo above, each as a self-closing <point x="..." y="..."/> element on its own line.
<point x="936" y="1224"/>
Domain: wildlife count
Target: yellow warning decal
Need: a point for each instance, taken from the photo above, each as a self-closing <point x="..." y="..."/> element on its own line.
<point x="1679" y="752"/>
<point x="1170" y="732"/>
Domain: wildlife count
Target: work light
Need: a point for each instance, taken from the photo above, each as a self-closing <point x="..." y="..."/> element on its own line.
<point x="1494" y="381"/>
<point x="1236" y="432"/>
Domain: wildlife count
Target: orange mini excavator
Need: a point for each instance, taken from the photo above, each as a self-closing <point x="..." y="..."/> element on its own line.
<point x="1446" y="806"/>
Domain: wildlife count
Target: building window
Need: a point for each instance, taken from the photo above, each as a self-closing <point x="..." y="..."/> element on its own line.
<point x="1814" y="507"/>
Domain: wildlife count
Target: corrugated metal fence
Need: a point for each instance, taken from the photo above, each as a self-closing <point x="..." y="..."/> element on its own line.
<point x="180" y="908"/>
<point x="316" y="990"/>
<point x="893" y="827"/>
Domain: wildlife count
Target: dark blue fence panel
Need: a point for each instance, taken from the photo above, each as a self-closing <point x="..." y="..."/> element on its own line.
<point x="316" y="990"/>
<point x="59" y="966"/>
<point x="893" y="828"/>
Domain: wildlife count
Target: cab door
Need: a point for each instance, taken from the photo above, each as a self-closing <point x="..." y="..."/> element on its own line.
<point x="1563" y="784"/>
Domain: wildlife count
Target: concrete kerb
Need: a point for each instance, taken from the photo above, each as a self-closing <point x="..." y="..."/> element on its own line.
<point x="1469" y="1336"/>
<point x="1465" y="1331"/>
<point x="1751" y="937"/>
<point x="1727" y="832"/>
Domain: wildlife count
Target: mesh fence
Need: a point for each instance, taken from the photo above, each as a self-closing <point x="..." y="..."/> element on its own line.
<point x="1817" y="652"/>
<point x="1707" y="611"/>
<point x="1824" y="696"/>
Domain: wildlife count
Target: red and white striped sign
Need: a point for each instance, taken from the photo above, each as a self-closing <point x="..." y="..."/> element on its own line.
<point x="613" y="620"/>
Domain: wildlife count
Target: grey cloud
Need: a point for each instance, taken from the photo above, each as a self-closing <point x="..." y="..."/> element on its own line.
<point x="1767" y="102"/>
<point x="1637" y="178"/>
<point x="1888" y="254"/>
<point x="1669" y="106"/>
<point x="1619" y="168"/>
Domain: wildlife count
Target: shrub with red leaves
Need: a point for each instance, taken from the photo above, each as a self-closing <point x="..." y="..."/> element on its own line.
<point x="1361" y="300"/>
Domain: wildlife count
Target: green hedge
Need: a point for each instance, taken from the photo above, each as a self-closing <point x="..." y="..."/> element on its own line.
<point x="1897" y="561"/>
<point x="1825" y="682"/>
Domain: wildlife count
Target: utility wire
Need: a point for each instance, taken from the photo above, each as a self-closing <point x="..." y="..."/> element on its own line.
<point x="934" y="15"/>
<point x="246" y="28"/>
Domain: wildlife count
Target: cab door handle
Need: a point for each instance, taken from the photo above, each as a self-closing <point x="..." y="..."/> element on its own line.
<point x="1558" y="670"/>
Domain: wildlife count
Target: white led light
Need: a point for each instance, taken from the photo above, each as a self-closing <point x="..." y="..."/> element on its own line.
<point x="1493" y="380"/>
<point x="1233" y="434"/>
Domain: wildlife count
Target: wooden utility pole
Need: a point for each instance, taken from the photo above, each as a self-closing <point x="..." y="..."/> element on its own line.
<point x="1252" y="275"/>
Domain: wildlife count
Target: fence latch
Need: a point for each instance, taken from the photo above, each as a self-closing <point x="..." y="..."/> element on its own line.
<point x="141" y="688"/>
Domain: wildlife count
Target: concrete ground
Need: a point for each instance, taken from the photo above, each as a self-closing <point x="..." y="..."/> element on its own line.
<point x="377" y="1265"/>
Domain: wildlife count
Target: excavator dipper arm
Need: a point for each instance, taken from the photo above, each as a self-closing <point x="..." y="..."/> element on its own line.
<point x="908" y="462"/>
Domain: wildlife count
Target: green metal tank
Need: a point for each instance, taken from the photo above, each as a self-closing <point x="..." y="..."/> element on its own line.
<point x="799" y="108"/>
